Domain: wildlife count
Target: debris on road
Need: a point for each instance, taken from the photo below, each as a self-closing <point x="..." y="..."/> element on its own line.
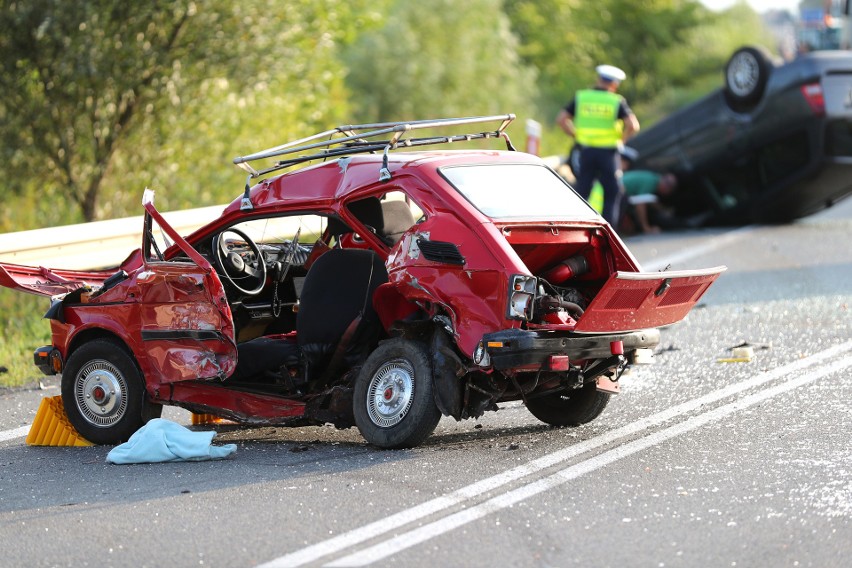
<point x="742" y="353"/>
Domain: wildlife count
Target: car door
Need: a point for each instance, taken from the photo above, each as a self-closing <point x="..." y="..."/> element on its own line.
<point x="637" y="300"/>
<point x="185" y="323"/>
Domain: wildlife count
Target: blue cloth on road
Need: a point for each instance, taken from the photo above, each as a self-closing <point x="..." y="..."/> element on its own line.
<point x="166" y="441"/>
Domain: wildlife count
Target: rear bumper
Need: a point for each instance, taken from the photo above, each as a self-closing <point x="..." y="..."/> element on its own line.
<point x="527" y="348"/>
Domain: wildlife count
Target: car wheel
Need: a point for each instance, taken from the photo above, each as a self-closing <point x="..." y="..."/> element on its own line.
<point x="104" y="394"/>
<point x="746" y="75"/>
<point x="393" y="402"/>
<point x="570" y="408"/>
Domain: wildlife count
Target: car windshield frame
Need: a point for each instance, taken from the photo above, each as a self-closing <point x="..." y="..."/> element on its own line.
<point x="504" y="191"/>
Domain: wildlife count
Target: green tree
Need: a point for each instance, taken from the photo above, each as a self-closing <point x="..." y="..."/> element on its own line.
<point x="640" y="38"/>
<point x="672" y="50"/>
<point x="696" y="66"/>
<point x="565" y="40"/>
<point x="76" y="76"/>
<point x="553" y="41"/>
<point x="438" y="58"/>
<point x="286" y="82"/>
<point x="108" y="93"/>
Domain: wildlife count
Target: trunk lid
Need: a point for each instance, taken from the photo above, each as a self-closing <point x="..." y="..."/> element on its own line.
<point x="637" y="300"/>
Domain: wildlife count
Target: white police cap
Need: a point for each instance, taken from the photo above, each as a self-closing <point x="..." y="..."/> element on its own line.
<point x="610" y="73"/>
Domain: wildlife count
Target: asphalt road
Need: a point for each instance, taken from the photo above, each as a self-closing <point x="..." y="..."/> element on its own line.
<point x="697" y="463"/>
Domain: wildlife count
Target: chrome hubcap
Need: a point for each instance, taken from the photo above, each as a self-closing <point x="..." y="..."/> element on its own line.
<point x="100" y="392"/>
<point x="743" y="73"/>
<point x="390" y="393"/>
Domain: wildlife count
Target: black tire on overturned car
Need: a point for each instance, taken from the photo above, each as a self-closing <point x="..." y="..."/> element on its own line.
<point x="746" y="75"/>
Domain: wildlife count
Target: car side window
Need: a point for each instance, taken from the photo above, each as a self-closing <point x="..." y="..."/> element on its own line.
<point x="388" y="216"/>
<point x="275" y="231"/>
<point x="292" y="239"/>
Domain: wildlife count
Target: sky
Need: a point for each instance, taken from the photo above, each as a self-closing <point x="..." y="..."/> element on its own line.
<point x="758" y="5"/>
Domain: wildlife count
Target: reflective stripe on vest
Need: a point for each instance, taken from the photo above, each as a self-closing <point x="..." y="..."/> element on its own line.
<point x="596" y="118"/>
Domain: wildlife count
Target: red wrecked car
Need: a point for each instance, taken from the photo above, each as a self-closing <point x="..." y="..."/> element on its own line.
<point x="369" y="287"/>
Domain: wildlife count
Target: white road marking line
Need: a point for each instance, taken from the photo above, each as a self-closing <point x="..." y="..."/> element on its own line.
<point x="16" y="433"/>
<point x="709" y="245"/>
<point x="393" y="522"/>
<point x="421" y="534"/>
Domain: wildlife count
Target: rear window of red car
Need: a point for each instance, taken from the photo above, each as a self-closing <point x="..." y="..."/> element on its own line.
<point x="510" y="191"/>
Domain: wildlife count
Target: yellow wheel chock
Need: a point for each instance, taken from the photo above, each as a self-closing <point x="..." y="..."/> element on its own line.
<point x="52" y="428"/>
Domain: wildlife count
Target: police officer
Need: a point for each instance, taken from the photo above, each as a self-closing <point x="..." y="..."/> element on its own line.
<point x="592" y="119"/>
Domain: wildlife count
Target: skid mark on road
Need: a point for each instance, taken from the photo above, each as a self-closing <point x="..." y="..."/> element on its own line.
<point x="466" y="494"/>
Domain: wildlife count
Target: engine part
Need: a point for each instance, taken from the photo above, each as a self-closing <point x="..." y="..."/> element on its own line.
<point x="572" y="267"/>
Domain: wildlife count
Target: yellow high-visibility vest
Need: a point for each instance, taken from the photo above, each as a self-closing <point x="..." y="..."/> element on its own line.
<point x="596" y="118"/>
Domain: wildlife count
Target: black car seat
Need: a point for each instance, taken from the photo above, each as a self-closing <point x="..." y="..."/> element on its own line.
<point x="337" y="326"/>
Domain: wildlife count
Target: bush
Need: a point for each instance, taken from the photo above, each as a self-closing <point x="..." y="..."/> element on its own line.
<point x="22" y="331"/>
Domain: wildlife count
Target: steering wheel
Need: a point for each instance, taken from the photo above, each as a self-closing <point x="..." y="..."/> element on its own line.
<point x="247" y="277"/>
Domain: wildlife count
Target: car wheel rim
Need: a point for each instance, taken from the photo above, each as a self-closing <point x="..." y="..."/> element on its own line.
<point x="390" y="393"/>
<point x="743" y="74"/>
<point x="100" y="391"/>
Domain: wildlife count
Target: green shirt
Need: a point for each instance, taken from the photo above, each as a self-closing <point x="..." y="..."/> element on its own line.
<point x="640" y="182"/>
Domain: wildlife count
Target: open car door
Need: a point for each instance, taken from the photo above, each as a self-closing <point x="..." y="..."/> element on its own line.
<point x="631" y="301"/>
<point x="186" y="325"/>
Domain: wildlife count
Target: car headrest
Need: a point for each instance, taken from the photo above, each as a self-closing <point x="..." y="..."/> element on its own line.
<point x="397" y="219"/>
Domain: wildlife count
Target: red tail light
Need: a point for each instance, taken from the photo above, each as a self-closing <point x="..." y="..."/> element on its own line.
<point x="813" y="94"/>
<point x="559" y="363"/>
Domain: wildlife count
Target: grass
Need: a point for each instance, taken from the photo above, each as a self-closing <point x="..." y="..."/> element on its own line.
<point x="22" y="331"/>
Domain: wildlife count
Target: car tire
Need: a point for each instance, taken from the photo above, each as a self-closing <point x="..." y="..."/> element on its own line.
<point x="746" y="75"/>
<point x="570" y="408"/>
<point x="393" y="402"/>
<point x="103" y="393"/>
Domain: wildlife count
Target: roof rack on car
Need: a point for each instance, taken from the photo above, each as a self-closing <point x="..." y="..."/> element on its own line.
<point x="367" y="138"/>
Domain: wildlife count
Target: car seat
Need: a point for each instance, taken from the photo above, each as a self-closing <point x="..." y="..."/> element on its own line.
<point x="388" y="219"/>
<point x="337" y="326"/>
<point x="397" y="218"/>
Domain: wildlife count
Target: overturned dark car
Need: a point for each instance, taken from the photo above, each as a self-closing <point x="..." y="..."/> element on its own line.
<point x="774" y="144"/>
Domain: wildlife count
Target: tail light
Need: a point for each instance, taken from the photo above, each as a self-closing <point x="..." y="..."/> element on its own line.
<point x="816" y="100"/>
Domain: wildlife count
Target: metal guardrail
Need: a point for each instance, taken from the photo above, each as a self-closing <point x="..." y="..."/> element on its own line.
<point x="86" y="246"/>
